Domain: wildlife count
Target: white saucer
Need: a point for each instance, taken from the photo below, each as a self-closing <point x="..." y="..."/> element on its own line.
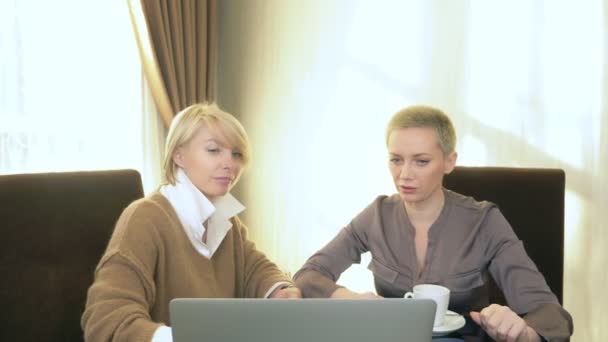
<point x="452" y="322"/>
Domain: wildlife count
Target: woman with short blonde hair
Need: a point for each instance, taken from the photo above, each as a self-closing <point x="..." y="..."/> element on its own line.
<point x="184" y="240"/>
<point x="185" y="125"/>
<point x="428" y="234"/>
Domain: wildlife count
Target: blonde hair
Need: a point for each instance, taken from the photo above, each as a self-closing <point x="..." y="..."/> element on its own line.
<point x="186" y="124"/>
<point x="425" y="117"/>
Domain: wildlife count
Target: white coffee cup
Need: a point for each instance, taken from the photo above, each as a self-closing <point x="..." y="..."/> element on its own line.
<point x="438" y="293"/>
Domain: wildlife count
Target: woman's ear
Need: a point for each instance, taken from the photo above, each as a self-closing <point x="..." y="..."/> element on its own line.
<point x="178" y="157"/>
<point x="450" y="162"/>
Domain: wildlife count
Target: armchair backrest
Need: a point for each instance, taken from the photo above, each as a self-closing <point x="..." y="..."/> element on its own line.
<point x="54" y="227"/>
<point x="532" y="200"/>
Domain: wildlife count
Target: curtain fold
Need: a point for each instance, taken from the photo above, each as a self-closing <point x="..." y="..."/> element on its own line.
<point x="177" y="44"/>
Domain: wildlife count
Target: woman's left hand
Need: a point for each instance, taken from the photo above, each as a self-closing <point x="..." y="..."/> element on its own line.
<point x="287" y="293"/>
<point x="504" y="325"/>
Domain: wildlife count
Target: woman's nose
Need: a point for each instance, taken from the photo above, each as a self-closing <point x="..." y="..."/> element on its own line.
<point x="228" y="161"/>
<point x="406" y="171"/>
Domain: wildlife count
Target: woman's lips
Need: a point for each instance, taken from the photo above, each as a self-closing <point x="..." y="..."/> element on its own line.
<point x="407" y="189"/>
<point x="223" y="180"/>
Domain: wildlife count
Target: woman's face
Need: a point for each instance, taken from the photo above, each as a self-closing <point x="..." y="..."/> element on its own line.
<point x="417" y="163"/>
<point x="212" y="166"/>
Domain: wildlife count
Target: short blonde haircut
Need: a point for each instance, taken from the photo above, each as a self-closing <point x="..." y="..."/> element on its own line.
<point x="186" y="124"/>
<point x="425" y="117"/>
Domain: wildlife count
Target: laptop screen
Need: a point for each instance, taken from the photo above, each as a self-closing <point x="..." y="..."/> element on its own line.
<point x="306" y="320"/>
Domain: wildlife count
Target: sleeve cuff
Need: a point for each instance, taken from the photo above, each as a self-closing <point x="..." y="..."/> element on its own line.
<point x="551" y="322"/>
<point x="315" y="285"/>
<point x="281" y="284"/>
<point x="162" y="334"/>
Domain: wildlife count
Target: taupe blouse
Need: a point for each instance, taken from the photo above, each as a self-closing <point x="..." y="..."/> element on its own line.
<point x="468" y="243"/>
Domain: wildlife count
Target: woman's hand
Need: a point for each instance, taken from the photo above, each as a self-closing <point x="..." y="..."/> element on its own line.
<point x="344" y="293"/>
<point x="289" y="292"/>
<point x="504" y="325"/>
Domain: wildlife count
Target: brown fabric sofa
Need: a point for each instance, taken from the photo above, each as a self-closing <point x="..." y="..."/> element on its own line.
<point x="54" y="229"/>
<point x="532" y="200"/>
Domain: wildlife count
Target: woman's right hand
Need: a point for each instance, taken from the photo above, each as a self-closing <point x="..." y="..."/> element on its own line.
<point x="502" y="324"/>
<point x="344" y="293"/>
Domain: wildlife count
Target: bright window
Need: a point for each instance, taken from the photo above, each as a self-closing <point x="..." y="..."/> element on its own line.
<point x="70" y="87"/>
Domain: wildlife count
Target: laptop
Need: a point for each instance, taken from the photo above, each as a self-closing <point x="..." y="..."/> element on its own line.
<point x="305" y="320"/>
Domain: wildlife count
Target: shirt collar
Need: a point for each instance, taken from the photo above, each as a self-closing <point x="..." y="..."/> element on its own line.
<point x="193" y="208"/>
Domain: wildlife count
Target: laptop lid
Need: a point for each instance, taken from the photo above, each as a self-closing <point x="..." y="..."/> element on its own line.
<point x="306" y="320"/>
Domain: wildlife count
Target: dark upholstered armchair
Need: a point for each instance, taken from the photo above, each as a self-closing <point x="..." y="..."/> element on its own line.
<point x="532" y="200"/>
<point x="54" y="228"/>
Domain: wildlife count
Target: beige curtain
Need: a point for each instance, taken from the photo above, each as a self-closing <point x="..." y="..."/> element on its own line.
<point x="177" y="43"/>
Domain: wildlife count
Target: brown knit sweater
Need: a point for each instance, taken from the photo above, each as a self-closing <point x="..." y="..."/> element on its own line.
<point x="149" y="261"/>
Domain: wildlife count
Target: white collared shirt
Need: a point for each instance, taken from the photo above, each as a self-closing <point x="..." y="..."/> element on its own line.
<point x="193" y="208"/>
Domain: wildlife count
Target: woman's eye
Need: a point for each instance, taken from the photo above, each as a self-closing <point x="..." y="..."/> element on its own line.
<point x="422" y="161"/>
<point x="395" y="160"/>
<point x="237" y="154"/>
<point x="213" y="150"/>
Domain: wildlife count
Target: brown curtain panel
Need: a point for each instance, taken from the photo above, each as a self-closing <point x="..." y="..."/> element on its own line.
<point x="177" y="44"/>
